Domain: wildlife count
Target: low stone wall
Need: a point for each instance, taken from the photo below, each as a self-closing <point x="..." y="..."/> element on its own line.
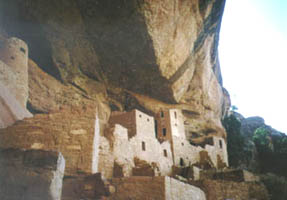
<point x="175" y="190"/>
<point x="154" y="188"/>
<point x="220" y="190"/>
<point x="84" y="187"/>
<point x="31" y="175"/>
<point x="72" y="132"/>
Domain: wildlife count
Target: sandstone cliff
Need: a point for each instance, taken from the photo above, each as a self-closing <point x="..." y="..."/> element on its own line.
<point x="123" y="55"/>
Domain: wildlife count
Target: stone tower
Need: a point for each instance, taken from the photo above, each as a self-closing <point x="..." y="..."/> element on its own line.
<point x="14" y="53"/>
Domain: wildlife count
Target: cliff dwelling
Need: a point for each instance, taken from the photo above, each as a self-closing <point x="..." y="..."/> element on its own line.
<point x="114" y="100"/>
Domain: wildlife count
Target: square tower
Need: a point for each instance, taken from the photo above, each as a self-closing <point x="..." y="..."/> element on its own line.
<point x="169" y="124"/>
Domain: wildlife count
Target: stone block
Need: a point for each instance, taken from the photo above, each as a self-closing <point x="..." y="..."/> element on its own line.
<point x="31" y="174"/>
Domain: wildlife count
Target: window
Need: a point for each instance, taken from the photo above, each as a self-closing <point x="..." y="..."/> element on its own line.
<point x="181" y="162"/>
<point x="140" y="116"/>
<point x="147" y="119"/>
<point x="165" y="153"/>
<point x="220" y="144"/>
<point x="23" y="50"/>
<point x="175" y="116"/>
<point x="12" y="57"/>
<point x="164" y="131"/>
<point x="155" y="127"/>
<point x="143" y="146"/>
<point x="182" y="144"/>
<point x="161" y="114"/>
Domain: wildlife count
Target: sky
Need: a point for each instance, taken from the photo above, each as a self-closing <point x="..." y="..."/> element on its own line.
<point x="253" y="58"/>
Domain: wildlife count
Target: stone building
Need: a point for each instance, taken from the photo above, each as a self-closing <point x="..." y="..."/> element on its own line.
<point x="13" y="81"/>
<point x="14" y="68"/>
<point x="138" y="144"/>
<point x="170" y="127"/>
<point x="132" y="147"/>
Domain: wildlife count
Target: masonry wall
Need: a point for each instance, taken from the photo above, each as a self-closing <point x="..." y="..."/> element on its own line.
<point x="71" y="132"/>
<point x="139" y="188"/>
<point x="164" y="131"/>
<point x="154" y="188"/>
<point x="185" y="154"/>
<point x="145" y="127"/>
<point x="126" y="119"/>
<point x="177" y="123"/>
<point x="216" y="189"/>
<point x="14" y="68"/>
<point x="116" y="149"/>
<point x="175" y="190"/>
<point x="218" y="149"/>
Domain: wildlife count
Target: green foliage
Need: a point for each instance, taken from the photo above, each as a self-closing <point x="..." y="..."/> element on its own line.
<point x="280" y="144"/>
<point x="276" y="186"/>
<point x="235" y="141"/>
<point x="262" y="140"/>
<point x="234" y="108"/>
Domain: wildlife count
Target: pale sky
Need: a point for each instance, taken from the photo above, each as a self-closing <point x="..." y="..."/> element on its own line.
<point x="253" y="58"/>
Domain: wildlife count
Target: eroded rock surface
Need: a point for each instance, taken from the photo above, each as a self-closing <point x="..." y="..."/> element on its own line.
<point x="31" y="175"/>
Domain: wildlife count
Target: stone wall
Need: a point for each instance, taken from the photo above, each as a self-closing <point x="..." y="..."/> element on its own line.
<point x="14" y="73"/>
<point x="216" y="189"/>
<point x="71" y="132"/>
<point x="83" y="187"/>
<point x="175" y="189"/>
<point x="217" y="150"/>
<point x="116" y="149"/>
<point x="163" y="126"/>
<point x="154" y="188"/>
<point x="31" y="174"/>
<point x="126" y="119"/>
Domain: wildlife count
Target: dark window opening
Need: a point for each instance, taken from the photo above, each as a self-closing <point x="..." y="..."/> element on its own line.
<point x="161" y="114"/>
<point x="155" y="127"/>
<point x="140" y="116"/>
<point x="182" y="144"/>
<point x="148" y="119"/>
<point x="164" y="131"/>
<point x="175" y="124"/>
<point x="175" y="116"/>
<point x="165" y="153"/>
<point x="143" y="146"/>
<point x="23" y="50"/>
<point x="12" y="57"/>
<point x="181" y="162"/>
<point x="220" y="144"/>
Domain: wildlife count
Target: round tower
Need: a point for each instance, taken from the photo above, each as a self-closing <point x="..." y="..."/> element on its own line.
<point x="14" y="53"/>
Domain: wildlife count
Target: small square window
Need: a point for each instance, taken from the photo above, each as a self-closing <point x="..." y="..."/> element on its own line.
<point x="143" y="146"/>
<point x="23" y="50"/>
<point x="165" y="153"/>
<point x="164" y="131"/>
<point x="220" y="144"/>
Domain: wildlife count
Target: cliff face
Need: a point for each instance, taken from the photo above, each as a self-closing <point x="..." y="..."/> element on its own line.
<point x="147" y="54"/>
